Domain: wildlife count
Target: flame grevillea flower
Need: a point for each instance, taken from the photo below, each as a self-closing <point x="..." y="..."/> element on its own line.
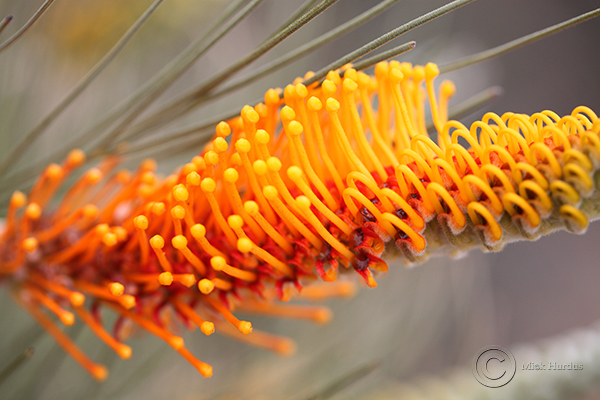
<point x="315" y="182"/>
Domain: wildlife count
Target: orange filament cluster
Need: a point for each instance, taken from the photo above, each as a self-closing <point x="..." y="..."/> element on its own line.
<point x="314" y="182"/>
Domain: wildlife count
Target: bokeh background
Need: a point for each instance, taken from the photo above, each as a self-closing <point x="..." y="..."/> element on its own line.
<point x="420" y="322"/>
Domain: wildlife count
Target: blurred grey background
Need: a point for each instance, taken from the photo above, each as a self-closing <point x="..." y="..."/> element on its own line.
<point x="419" y="321"/>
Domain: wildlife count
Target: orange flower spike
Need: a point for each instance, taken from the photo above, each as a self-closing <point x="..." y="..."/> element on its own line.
<point x="304" y="205"/>
<point x="198" y="232"/>
<point x="66" y="317"/>
<point x="295" y="175"/>
<point x="243" y="326"/>
<point x="253" y="210"/>
<point x="180" y="243"/>
<point x="295" y="129"/>
<point x="349" y="88"/>
<point x="311" y="145"/>
<point x="208" y="328"/>
<point x="332" y="106"/>
<point x="97" y="371"/>
<point x="141" y="225"/>
<point x="220" y="265"/>
<point x="314" y="107"/>
<point x="121" y="349"/>
<point x="364" y="82"/>
<point x="17" y="201"/>
<point x="231" y="176"/>
<point x="158" y="243"/>
<point x="209" y="186"/>
<point x="243" y="147"/>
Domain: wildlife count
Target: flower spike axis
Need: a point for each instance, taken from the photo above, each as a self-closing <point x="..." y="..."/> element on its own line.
<point x="311" y="184"/>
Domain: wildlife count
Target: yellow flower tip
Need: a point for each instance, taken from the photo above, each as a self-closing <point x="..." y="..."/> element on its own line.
<point x="158" y="208"/>
<point x="287" y="114"/>
<point x="140" y="222"/>
<point x="206" y="370"/>
<point x="262" y="137"/>
<point x="272" y="97"/>
<point x="116" y="288"/>
<point x="76" y="299"/>
<point x="198" y="231"/>
<point x="193" y="179"/>
<point x="121" y="233"/>
<point x="223" y="129"/>
<point x="124" y="351"/>
<point x="180" y="193"/>
<point x="18" y="199"/>
<point x="295" y="128"/>
<point x="323" y="315"/>
<point x="243" y="145"/>
<point x="75" y="158"/>
<point x="188" y="168"/>
<point x="349" y="86"/>
<point x="289" y="93"/>
<point x="179" y="242"/>
<point x="270" y="192"/>
<point x="314" y="104"/>
<point x="431" y="71"/>
<point x="334" y="77"/>
<point x="102" y="229"/>
<point x="218" y="263"/>
<point x="231" y="175"/>
<point x="178" y="212"/>
<point x="33" y="211"/>
<point x="260" y="167"/>
<point x="303" y="202"/>
<point x="148" y="177"/>
<point x="208" y="328"/>
<point x="418" y="73"/>
<point x="205" y="286"/>
<point x="90" y="212"/>
<point x="199" y="163"/>
<point x="249" y="115"/>
<point x="396" y="75"/>
<point x="157" y="242"/>
<point x="301" y="90"/>
<point x="285" y="347"/>
<point x="127" y="301"/>
<point x="447" y="88"/>
<point x="187" y="280"/>
<point x="55" y="172"/>
<point x="381" y="69"/>
<point x="148" y="165"/>
<point x="274" y="164"/>
<point x="351" y="73"/>
<point x="93" y="176"/>
<point x="244" y="245"/>
<point x="329" y="88"/>
<point x="332" y="106"/>
<point x="251" y="207"/>
<point x="176" y="342"/>
<point x="294" y="173"/>
<point x="245" y="327"/>
<point x="99" y="372"/>
<point x="109" y="239"/>
<point x="30" y="244"/>
<point x="364" y="80"/>
<point x="407" y="69"/>
<point x="208" y="185"/>
<point x="220" y="145"/>
<point x="235" y="221"/>
<point x="123" y="176"/>
<point x="165" y="278"/>
<point x="211" y="157"/>
<point x="235" y="160"/>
